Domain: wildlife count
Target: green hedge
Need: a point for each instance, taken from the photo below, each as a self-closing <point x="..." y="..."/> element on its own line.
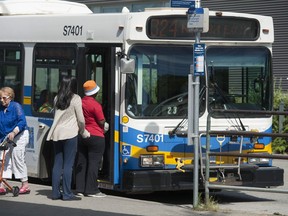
<point x="280" y="145"/>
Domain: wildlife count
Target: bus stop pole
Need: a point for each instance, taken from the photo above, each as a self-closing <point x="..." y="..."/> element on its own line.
<point x="196" y="125"/>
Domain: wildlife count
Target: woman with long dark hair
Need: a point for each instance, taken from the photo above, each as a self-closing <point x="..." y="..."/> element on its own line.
<point x="68" y="122"/>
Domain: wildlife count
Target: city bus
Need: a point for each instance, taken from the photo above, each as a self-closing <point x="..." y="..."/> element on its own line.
<point x="141" y="61"/>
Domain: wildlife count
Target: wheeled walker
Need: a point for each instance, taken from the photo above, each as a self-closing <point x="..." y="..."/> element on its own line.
<point x="4" y="146"/>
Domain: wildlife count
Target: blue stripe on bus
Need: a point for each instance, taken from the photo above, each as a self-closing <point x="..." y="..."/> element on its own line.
<point x="177" y="144"/>
<point x="27" y="91"/>
<point x="27" y="110"/>
<point x="116" y="174"/>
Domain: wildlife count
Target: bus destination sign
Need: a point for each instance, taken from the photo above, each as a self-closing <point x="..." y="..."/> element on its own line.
<point x="174" y="27"/>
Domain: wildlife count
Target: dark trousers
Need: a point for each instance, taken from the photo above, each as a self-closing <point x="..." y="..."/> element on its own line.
<point x="64" y="158"/>
<point x="90" y="152"/>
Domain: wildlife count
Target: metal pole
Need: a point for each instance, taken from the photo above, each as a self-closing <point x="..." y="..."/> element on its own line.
<point x="191" y="108"/>
<point x="281" y="117"/>
<point x="196" y="126"/>
<point x="207" y="164"/>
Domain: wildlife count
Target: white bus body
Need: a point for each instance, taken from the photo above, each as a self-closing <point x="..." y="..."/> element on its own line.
<point x="41" y="41"/>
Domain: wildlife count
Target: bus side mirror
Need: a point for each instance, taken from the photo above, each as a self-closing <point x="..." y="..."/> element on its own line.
<point x="127" y="65"/>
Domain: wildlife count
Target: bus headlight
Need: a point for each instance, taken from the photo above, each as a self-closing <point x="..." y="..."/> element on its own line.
<point x="152" y="160"/>
<point x="258" y="160"/>
<point x="212" y="160"/>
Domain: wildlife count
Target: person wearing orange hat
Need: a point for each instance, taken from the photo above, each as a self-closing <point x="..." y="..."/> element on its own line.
<point x="91" y="150"/>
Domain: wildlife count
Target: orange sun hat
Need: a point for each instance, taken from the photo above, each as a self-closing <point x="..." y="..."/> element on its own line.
<point x="90" y="87"/>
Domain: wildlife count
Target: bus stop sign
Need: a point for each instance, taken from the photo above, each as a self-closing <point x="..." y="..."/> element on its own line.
<point x="198" y="19"/>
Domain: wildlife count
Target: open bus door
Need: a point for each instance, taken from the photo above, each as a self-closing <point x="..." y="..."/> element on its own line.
<point x="100" y="66"/>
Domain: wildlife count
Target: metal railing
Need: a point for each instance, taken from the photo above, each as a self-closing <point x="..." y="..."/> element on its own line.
<point x="240" y="154"/>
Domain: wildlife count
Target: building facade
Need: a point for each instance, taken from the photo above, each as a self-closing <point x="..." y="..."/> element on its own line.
<point x="276" y="8"/>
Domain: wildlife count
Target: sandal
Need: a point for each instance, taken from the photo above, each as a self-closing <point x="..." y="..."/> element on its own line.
<point x="2" y="191"/>
<point x="24" y="190"/>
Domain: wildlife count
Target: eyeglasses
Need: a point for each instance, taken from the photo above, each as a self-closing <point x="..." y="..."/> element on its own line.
<point x="4" y="98"/>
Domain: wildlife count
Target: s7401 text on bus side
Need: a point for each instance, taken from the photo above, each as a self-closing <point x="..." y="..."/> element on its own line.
<point x="72" y="30"/>
<point x="150" y="138"/>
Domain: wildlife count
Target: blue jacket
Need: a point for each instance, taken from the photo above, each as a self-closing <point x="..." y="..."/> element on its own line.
<point x="13" y="117"/>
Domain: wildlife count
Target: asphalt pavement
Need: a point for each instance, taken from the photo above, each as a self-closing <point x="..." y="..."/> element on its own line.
<point x="39" y="203"/>
<point x="234" y="203"/>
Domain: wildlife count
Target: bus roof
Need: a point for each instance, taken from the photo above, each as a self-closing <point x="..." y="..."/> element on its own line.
<point x="115" y="28"/>
<point x="26" y="7"/>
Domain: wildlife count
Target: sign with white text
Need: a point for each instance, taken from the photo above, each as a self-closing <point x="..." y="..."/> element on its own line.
<point x="199" y="59"/>
<point x="198" y="19"/>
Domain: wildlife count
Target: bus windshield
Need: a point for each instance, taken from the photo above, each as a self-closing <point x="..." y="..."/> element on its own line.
<point x="158" y="88"/>
<point x="238" y="78"/>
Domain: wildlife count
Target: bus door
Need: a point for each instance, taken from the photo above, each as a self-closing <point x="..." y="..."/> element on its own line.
<point x="100" y="66"/>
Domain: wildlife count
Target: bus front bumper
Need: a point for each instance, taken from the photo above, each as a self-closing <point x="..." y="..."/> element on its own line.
<point x="173" y="180"/>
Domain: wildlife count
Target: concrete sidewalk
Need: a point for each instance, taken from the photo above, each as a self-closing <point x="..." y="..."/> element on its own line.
<point x="39" y="203"/>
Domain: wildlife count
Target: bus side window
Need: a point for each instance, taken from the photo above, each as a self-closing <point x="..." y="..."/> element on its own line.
<point x="42" y="99"/>
<point x="11" y="68"/>
<point x="51" y="63"/>
<point x="45" y="102"/>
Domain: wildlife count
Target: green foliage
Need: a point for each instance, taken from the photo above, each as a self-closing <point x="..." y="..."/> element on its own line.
<point x="280" y="145"/>
<point x="212" y="204"/>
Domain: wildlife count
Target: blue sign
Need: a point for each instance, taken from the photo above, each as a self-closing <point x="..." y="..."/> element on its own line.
<point x="183" y="3"/>
<point x="199" y="59"/>
<point x="193" y="10"/>
<point x="126" y="150"/>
